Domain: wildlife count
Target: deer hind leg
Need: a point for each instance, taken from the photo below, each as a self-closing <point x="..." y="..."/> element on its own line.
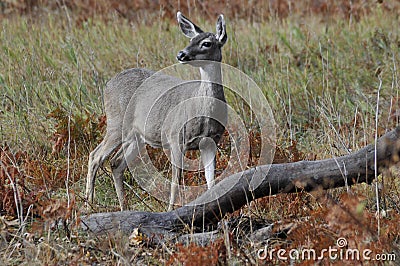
<point x="176" y="160"/>
<point x="119" y="162"/>
<point x="96" y="158"/>
<point x="207" y="153"/>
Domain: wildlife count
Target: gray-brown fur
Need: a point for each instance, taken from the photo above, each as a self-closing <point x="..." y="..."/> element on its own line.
<point x="137" y="108"/>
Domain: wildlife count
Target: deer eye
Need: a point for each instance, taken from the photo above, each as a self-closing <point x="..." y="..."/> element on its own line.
<point x="206" y="44"/>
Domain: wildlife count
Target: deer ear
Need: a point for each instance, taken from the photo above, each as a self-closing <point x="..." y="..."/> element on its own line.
<point x="221" y="30"/>
<point x="188" y="28"/>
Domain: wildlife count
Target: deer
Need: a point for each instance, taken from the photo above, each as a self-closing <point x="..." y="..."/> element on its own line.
<point x="202" y="132"/>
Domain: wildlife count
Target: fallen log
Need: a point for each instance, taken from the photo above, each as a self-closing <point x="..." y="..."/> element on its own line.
<point x="237" y="190"/>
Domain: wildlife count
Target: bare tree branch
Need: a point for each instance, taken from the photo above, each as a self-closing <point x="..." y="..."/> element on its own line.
<point x="350" y="169"/>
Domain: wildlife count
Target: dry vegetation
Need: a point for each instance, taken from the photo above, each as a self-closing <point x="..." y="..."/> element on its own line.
<point x="320" y="64"/>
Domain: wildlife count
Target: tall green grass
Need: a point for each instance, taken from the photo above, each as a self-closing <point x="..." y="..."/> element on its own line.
<point x="317" y="77"/>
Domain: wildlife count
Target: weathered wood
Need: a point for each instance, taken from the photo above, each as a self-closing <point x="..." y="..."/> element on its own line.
<point x="235" y="191"/>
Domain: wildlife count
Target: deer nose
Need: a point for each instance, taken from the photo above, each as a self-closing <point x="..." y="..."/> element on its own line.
<point x="182" y="56"/>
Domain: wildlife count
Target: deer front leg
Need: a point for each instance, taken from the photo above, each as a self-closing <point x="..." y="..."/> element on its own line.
<point x="207" y="153"/>
<point x="176" y="160"/>
<point x="176" y="178"/>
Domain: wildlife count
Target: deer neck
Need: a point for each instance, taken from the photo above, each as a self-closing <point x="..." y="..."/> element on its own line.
<point x="211" y="80"/>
